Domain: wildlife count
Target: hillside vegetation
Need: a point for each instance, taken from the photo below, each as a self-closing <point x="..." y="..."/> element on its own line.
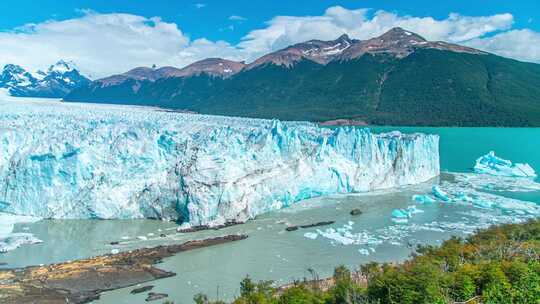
<point x="500" y="265"/>
<point x="428" y="87"/>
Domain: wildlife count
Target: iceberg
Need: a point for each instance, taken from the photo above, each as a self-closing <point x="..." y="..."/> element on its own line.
<point x="491" y="164"/>
<point x="423" y="199"/>
<point x="402" y="216"/>
<point x="440" y="193"/>
<point x="400" y="213"/>
<point x="61" y="160"/>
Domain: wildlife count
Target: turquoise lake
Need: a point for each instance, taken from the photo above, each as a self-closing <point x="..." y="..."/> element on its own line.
<point x="459" y="147"/>
<point x="271" y="253"/>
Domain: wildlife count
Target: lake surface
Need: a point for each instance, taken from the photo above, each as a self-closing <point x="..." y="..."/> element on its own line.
<point x="271" y="253"/>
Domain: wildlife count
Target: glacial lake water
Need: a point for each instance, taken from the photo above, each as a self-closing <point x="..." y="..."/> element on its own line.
<point x="271" y="253"/>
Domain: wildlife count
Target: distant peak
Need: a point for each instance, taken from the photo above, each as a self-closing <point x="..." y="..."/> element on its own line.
<point x="215" y="60"/>
<point x="62" y="66"/>
<point x="13" y="68"/>
<point x="344" y="37"/>
<point x="397" y="29"/>
<point x="398" y="33"/>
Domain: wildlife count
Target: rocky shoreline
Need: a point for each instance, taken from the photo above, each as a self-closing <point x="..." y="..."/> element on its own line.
<point x="84" y="280"/>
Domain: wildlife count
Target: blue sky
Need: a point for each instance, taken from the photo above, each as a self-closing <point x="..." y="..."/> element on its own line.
<point x="212" y="20"/>
<point x="105" y="37"/>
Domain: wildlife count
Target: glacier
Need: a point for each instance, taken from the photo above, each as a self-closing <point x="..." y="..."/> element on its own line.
<point x="61" y="160"/>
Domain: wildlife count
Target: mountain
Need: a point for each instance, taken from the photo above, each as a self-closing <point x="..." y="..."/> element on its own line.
<point x="212" y="66"/>
<point x="398" y="78"/>
<point x="59" y="79"/>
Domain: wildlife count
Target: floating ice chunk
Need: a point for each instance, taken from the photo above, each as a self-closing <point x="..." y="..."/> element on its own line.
<point x="15" y="240"/>
<point x="462" y="191"/>
<point x="345" y="236"/>
<point x="464" y="198"/>
<point x="496" y="182"/>
<point x="400" y="216"/>
<point x="115" y="251"/>
<point x="423" y="199"/>
<point x="491" y="164"/>
<point x="142" y="238"/>
<point x="311" y="235"/>
<point x="363" y="251"/>
<point x="400" y="213"/>
<point x="482" y="203"/>
<point x="400" y="220"/>
<point x="440" y="194"/>
<point x="413" y="210"/>
<point x="335" y="235"/>
<point x="9" y="240"/>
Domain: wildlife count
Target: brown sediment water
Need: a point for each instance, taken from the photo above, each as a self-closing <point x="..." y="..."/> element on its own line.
<point x="82" y="281"/>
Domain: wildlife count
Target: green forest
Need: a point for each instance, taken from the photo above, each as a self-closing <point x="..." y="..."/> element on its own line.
<point x="427" y="88"/>
<point x="499" y="265"/>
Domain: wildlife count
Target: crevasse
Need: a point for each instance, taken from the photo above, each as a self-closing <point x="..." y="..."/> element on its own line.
<point x="89" y="161"/>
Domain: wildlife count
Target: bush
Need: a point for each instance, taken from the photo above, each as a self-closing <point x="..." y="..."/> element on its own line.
<point x="497" y="265"/>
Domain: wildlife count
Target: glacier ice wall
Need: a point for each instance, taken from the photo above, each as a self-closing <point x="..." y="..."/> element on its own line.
<point x="92" y="161"/>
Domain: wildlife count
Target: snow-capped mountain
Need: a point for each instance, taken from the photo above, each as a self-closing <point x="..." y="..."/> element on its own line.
<point x="59" y="79"/>
<point x="215" y="67"/>
<point x="318" y="51"/>
<point x="398" y="78"/>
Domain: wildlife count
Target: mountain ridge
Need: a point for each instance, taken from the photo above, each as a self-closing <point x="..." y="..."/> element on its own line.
<point x="59" y="79"/>
<point x="397" y="78"/>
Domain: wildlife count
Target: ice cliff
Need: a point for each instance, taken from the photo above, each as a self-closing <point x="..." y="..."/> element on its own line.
<point x="88" y="161"/>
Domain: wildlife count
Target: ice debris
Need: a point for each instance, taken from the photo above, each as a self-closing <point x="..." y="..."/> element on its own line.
<point x="423" y="199"/>
<point x="491" y="164"/>
<point x="363" y="251"/>
<point x="311" y="235"/>
<point x="462" y="191"/>
<point x="495" y="182"/>
<point x="440" y="194"/>
<point x="344" y="235"/>
<point x="62" y="160"/>
<point x="10" y="240"/>
<point x="402" y="216"/>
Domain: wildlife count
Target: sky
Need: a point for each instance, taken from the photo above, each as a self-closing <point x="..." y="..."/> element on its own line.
<point x="107" y="37"/>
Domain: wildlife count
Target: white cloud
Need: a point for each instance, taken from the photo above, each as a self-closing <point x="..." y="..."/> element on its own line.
<point x="200" y="5"/>
<point x="204" y="48"/>
<point x="284" y="30"/>
<point x="100" y="44"/>
<point x="521" y="44"/>
<point x="103" y="44"/>
<point x="237" y="18"/>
